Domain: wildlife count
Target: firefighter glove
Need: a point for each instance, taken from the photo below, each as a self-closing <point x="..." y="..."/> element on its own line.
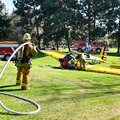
<point x="33" y="44"/>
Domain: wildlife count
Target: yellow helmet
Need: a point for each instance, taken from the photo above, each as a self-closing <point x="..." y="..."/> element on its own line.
<point x="26" y="36"/>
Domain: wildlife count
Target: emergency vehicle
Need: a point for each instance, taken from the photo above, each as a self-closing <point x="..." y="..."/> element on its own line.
<point x="85" y="46"/>
<point x="7" y="48"/>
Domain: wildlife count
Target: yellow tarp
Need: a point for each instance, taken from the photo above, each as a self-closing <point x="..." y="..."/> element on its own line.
<point x="101" y="69"/>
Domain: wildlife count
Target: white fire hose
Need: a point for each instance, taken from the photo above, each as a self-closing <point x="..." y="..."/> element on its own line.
<point x="25" y="99"/>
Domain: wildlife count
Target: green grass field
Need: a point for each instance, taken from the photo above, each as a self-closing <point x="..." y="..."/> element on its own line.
<point x="62" y="94"/>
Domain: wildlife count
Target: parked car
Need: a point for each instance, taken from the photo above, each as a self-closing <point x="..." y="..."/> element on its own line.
<point x="48" y="48"/>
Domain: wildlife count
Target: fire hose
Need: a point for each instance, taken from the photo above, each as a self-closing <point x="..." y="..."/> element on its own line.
<point x="25" y="99"/>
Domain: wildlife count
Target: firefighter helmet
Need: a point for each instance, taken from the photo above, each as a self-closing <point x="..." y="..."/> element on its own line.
<point x="26" y="36"/>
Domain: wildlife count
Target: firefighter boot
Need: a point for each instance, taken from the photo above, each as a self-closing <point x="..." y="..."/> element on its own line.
<point x="84" y="67"/>
<point x="25" y="88"/>
<point x="80" y="64"/>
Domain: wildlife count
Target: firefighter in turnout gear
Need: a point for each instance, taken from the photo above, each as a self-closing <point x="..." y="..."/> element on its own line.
<point x="81" y="58"/>
<point x="23" y="62"/>
<point x="73" y="60"/>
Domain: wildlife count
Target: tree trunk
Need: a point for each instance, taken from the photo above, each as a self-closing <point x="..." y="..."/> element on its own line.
<point x="37" y="28"/>
<point x="89" y="22"/>
<point x="118" y="38"/>
<point x="39" y="43"/>
<point x="118" y="45"/>
<point x="57" y="46"/>
<point x="68" y="44"/>
<point x="94" y="25"/>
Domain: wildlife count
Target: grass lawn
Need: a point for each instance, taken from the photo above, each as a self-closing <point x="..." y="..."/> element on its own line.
<point x="62" y="94"/>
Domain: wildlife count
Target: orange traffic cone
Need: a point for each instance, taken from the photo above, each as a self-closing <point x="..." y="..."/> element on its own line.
<point x="105" y="56"/>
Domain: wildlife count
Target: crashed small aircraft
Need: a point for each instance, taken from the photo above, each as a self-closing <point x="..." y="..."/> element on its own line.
<point x="72" y="59"/>
<point x="61" y="56"/>
<point x="92" y="68"/>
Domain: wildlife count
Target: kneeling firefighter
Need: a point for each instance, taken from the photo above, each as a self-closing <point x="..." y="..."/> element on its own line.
<point x="73" y="57"/>
<point x="23" y="62"/>
<point x="81" y="58"/>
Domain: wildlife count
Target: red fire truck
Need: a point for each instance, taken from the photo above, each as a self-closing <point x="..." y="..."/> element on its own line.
<point x="7" y="48"/>
<point x="82" y="46"/>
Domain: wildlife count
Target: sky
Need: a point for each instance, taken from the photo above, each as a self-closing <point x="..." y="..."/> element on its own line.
<point x="9" y="5"/>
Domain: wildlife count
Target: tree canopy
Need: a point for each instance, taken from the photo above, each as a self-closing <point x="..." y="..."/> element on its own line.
<point x="68" y="19"/>
<point x="5" y="23"/>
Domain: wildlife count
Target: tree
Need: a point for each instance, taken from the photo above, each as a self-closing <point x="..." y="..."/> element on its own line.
<point x="113" y="22"/>
<point x="15" y="31"/>
<point x="78" y="20"/>
<point x="5" y="23"/>
<point x="30" y="16"/>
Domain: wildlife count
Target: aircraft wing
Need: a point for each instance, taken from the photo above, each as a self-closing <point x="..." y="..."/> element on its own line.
<point x="92" y="68"/>
<point x="55" y="54"/>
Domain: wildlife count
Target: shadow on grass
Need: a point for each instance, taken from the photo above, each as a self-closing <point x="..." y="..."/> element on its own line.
<point x="11" y="90"/>
<point x="2" y="113"/>
<point x="96" y="86"/>
<point x="79" y="96"/>
<point x="74" y="91"/>
<point x="6" y="86"/>
<point x="54" y="67"/>
<point x="114" y="54"/>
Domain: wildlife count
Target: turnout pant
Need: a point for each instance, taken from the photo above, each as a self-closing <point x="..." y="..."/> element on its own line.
<point x="23" y="76"/>
<point x="82" y="64"/>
